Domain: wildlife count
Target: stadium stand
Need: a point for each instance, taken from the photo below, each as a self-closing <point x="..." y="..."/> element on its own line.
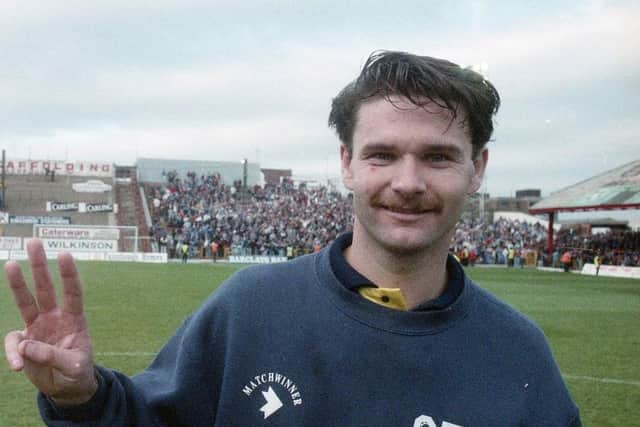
<point x="615" y="189"/>
<point x="278" y="219"/>
<point x="285" y="219"/>
<point x="616" y="247"/>
<point x="27" y="195"/>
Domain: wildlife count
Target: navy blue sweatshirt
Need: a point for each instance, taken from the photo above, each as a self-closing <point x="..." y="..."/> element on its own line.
<point x="289" y="345"/>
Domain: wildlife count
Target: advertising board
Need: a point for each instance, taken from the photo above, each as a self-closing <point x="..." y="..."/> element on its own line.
<point x="80" y="245"/>
<point x="39" y="219"/>
<point x="78" y="233"/>
<point x="10" y="243"/>
<point x="42" y="167"/>
<point x="256" y="259"/>
<point x="612" y="271"/>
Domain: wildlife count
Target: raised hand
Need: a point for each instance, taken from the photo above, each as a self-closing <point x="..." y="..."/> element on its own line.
<point x="54" y="349"/>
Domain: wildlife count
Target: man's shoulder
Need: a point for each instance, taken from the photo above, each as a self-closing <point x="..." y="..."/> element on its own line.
<point x="523" y="350"/>
<point x="267" y="272"/>
<point x="258" y="289"/>
<point x="280" y="277"/>
<point x="505" y="320"/>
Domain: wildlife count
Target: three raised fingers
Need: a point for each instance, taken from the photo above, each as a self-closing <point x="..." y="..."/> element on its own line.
<point x="71" y="286"/>
<point x="23" y="298"/>
<point x="45" y="292"/>
<point x="45" y="299"/>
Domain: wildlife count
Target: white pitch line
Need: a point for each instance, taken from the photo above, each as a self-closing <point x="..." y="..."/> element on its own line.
<point x="567" y="376"/>
<point x="114" y="354"/>
<point x="602" y="380"/>
<point x="126" y="353"/>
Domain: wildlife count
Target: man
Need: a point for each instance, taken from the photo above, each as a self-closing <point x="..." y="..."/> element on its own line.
<point x="511" y="256"/>
<point x="555" y="259"/>
<point x="597" y="260"/>
<point x="381" y="328"/>
<point x="464" y="256"/>
<point x="184" y="250"/>
<point x="214" y="250"/>
<point x="565" y="259"/>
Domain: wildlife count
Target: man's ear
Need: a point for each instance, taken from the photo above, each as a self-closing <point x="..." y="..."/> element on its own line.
<point x="345" y="162"/>
<point x="479" y="166"/>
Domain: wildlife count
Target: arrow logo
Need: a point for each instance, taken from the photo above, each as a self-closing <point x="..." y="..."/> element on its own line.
<point x="273" y="403"/>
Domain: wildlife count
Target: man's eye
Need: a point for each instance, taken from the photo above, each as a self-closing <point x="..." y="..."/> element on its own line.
<point x="382" y="156"/>
<point x="436" y="158"/>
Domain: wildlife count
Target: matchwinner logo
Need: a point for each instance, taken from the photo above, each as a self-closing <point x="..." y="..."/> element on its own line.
<point x="273" y="387"/>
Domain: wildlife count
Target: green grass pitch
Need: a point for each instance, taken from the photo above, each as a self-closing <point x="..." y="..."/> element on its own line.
<point x="593" y="325"/>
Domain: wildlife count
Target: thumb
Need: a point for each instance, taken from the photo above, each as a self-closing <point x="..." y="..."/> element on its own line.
<point x="11" y="343"/>
<point x="70" y="363"/>
<point x="67" y="376"/>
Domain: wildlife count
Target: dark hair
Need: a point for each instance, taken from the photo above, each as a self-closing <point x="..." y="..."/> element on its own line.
<point x="422" y="80"/>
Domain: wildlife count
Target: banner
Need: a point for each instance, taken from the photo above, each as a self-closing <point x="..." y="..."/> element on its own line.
<point x="81" y="207"/>
<point x="80" y="245"/>
<point x="21" y="255"/>
<point x="10" y="243"/>
<point x="256" y="259"/>
<point x="45" y="167"/>
<point x="80" y="233"/>
<point x="61" y="206"/>
<point x="612" y="271"/>
<point x="97" y="207"/>
<point x="33" y="219"/>
<point x="91" y="186"/>
<point x="137" y="257"/>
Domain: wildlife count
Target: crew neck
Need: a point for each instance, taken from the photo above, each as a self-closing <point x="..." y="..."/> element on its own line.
<point x="421" y="322"/>
<point x="352" y="279"/>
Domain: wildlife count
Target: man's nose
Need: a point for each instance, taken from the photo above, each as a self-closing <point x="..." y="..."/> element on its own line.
<point x="408" y="178"/>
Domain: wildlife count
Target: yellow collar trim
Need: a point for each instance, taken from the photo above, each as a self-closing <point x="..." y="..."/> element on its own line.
<point x="386" y="297"/>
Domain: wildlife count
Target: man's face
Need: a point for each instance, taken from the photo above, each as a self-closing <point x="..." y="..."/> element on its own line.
<point x="410" y="170"/>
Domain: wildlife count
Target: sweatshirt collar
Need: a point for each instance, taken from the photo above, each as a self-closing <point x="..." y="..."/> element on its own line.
<point x="353" y="280"/>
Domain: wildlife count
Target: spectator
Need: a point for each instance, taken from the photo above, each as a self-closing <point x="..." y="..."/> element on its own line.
<point x="184" y="251"/>
<point x="565" y="259"/>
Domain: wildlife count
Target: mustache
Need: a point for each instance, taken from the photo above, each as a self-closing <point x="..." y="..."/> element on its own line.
<point x="415" y="205"/>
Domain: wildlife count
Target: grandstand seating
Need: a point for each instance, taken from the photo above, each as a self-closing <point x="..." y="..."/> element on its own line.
<point x="267" y="220"/>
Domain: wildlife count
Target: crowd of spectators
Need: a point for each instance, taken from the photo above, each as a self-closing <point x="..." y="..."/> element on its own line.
<point x="276" y="220"/>
<point x="503" y="241"/>
<point x="290" y="220"/>
<point x="615" y="247"/>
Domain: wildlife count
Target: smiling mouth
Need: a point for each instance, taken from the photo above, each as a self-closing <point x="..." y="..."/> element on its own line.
<point x="405" y="211"/>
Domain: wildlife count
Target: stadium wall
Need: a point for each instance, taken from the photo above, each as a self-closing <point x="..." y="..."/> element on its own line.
<point x="612" y="271"/>
<point x="21" y="255"/>
<point x="33" y="198"/>
<point x="59" y="167"/>
<point x="151" y="170"/>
